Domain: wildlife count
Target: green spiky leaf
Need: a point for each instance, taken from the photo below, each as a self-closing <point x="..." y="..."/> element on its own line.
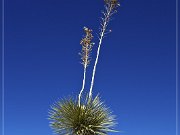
<point x="91" y="118"/>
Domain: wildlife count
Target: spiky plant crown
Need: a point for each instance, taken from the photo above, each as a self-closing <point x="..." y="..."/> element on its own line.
<point x="91" y="118"/>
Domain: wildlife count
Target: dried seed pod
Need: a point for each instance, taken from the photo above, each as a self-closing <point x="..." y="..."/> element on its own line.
<point x="87" y="45"/>
<point x="113" y="3"/>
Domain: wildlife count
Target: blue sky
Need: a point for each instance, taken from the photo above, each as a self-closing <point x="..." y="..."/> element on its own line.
<point x="135" y="74"/>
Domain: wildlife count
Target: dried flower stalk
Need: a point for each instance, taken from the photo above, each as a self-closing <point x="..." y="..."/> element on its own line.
<point x="110" y="9"/>
<point x="87" y="45"/>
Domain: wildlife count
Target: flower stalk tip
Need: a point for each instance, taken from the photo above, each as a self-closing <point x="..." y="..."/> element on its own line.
<point x="87" y="45"/>
<point x="113" y="3"/>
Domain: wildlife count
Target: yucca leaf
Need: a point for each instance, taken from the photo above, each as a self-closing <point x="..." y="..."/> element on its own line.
<point x="91" y="118"/>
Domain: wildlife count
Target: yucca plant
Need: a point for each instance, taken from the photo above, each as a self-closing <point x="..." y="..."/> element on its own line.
<point x="86" y="115"/>
<point x="91" y="118"/>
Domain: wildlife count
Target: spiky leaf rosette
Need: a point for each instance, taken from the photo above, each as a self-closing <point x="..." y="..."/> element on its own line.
<point x="91" y="118"/>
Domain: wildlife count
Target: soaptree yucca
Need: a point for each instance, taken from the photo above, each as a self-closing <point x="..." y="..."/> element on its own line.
<point x="91" y="118"/>
<point x="86" y="115"/>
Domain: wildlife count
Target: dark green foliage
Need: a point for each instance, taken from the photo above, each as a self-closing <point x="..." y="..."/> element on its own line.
<point x="91" y="118"/>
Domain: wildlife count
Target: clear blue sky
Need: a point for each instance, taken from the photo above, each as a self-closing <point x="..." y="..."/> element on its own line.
<point x="135" y="74"/>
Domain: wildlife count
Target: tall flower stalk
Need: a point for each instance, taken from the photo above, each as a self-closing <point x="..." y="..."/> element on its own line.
<point x="87" y="44"/>
<point x="110" y="9"/>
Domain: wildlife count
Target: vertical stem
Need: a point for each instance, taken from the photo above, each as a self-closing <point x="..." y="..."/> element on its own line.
<point x="83" y="84"/>
<point x="105" y="23"/>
